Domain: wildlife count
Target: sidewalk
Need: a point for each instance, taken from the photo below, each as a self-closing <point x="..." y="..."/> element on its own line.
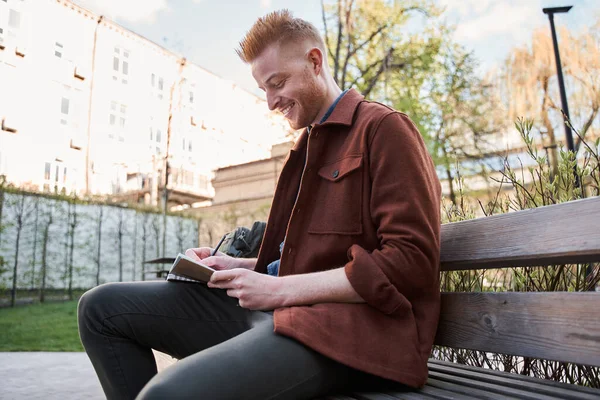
<point x="63" y="376"/>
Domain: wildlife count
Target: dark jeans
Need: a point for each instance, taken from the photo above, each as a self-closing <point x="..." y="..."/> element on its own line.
<point x="226" y="351"/>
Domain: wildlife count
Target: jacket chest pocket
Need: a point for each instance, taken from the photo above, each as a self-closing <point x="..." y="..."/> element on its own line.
<point x="338" y="203"/>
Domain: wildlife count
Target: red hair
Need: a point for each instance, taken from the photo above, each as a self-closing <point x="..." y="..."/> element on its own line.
<point x="277" y="27"/>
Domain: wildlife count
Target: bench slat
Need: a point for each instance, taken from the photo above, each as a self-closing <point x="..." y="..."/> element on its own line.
<point x="582" y="391"/>
<point x="464" y="392"/>
<point x="490" y="387"/>
<point x="449" y="380"/>
<point x="373" y="396"/>
<point x="444" y="392"/>
<point x="503" y="390"/>
<point x="553" y="326"/>
<point x="509" y="380"/>
<point x="525" y="238"/>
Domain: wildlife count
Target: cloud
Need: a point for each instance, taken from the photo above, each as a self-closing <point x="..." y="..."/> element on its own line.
<point x="513" y="20"/>
<point x="490" y="21"/>
<point x="466" y="8"/>
<point x="264" y="4"/>
<point x="144" y="11"/>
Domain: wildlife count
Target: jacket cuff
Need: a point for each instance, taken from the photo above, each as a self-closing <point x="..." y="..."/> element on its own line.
<point x="371" y="283"/>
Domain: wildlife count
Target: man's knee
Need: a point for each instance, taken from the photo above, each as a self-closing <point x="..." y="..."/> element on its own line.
<point x="157" y="389"/>
<point x="90" y="308"/>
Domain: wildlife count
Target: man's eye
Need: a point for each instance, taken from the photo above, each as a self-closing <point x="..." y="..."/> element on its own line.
<point x="280" y="84"/>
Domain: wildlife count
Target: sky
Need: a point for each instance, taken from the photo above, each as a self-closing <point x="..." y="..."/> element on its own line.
<point x="207" y="32"/>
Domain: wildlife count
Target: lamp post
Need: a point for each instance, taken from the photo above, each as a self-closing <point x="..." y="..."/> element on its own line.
<point x="561" y="82"/>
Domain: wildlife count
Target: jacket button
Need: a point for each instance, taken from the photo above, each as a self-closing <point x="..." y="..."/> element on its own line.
<point x="336" y="173"/>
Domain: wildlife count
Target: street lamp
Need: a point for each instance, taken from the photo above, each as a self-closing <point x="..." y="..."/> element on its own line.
<point x="561" y="82"/>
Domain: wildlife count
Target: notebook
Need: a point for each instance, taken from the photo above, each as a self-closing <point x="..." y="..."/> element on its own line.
<point x="186" y="269"/>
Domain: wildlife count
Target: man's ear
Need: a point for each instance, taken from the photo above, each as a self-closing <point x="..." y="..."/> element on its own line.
<point x="315" y="58"/>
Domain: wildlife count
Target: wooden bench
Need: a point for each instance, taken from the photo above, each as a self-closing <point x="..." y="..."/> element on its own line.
<point x="160" y="273"/>
<point x="556" y="326"/>
<point x="559" y="326"/>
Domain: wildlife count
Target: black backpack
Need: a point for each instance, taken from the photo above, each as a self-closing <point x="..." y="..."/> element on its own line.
<point x="243" y="242"/>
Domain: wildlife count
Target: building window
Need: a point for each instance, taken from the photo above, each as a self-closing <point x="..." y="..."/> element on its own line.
<point x="58" y="49"/>
<point x="160" y="87"/>
<point x="155" y="138"/>
<point x="1" y="37"/>
<point x="152" y="80"/>
<point x="120" y="65"/>
<point x="190" y="145"/>
<point x="47" y="171"/>
<point x="122" y="117"/>
<point x="191" y="97"/>
<point x="64" y="110"/>
<point x="117" y="119"/>
<point x="14" y="19"/>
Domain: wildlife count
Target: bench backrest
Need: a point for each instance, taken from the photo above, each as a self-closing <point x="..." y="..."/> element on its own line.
<point x="558" y="326"/>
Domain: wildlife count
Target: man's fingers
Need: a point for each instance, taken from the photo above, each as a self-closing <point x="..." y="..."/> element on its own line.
<point x="192" y="254"/>
<point x="225" y="275"/>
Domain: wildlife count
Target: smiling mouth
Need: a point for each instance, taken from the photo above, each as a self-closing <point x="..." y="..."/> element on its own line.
<point x="286" y="111"/>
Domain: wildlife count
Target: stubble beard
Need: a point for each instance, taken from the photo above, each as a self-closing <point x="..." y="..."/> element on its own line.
<point x="309" y="103"/>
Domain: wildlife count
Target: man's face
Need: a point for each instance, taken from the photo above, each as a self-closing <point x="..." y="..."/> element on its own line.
<point x="291" y="83"/>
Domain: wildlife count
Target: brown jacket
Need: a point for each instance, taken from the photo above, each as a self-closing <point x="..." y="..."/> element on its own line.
<point x="369" y="201"/>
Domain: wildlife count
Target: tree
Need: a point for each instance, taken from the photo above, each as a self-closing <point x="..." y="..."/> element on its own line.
<point x="45" y="240"/>
<point x="583" y="67"/>
<point x="528" y="83"/>
<point x="72" y="226"/>
<point x="422" y="73"/>
<point x="156" y="230"/>
<point x="2" y="185"/>
<point x="135" y="235"/>
<point x="182" y="231"/>
<point x="22" y="210"/>
<point x="463" y="114"/>
<point x="366" y="39"/>
<point x="120" y="233"/>
<point x="2" y="227"/>
<point x="145" y="217"/>
<point x="99" y="242"/>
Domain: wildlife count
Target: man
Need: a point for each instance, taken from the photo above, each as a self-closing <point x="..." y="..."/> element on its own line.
<point x="348" y="263"/>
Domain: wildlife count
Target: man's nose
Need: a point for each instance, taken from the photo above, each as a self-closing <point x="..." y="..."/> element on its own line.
<point x="272" y="101"/>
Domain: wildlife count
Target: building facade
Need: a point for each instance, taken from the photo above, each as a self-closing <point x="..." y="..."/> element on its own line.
<point x="87" y="106"/>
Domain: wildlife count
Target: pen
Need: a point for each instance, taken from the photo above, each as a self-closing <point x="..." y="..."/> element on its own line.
<point x="214" y="252"/>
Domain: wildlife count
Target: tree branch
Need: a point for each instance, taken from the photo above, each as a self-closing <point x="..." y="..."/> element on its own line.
<point x="336" y="60"/>
<point x="585" y="128"/>
<point x="342" y="82"/>
<point x="325" y="26"/>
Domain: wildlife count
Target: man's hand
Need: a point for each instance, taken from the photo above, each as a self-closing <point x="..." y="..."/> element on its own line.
<point x="219" y="261"/>
<point x="254" y="291"/>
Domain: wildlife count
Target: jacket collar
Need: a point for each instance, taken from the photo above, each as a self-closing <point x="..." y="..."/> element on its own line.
<point x="301" y="141"/>
<point x="343" y="114"/>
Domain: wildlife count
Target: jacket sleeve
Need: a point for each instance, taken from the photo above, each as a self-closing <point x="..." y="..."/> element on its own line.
<point x="405" y="209"/>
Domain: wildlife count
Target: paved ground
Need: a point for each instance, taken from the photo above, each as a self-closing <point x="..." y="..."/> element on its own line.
<point x="62" y="376"/>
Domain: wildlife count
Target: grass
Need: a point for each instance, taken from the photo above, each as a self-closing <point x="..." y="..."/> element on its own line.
<point x="40" y="327"/>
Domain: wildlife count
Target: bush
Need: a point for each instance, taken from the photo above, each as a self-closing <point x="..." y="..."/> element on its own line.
<point x="529" y="187"/>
